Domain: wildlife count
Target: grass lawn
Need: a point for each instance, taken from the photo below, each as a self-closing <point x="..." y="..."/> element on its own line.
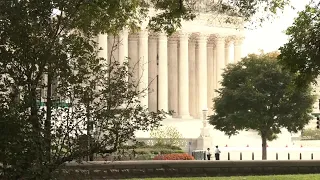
<point x="271" y="177"/>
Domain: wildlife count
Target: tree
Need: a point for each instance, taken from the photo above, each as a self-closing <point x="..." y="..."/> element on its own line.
<point x="48" y="52"/>
<point x="302" y="51"/>
<point x="258" y="94"/>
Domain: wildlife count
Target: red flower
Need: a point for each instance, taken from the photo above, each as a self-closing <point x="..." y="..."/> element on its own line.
<point x="176" y="156"/>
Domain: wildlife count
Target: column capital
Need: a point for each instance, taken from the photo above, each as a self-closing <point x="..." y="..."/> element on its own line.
<point x="133" y="37"/>
<point x="184" y="35"/>
<point x="124" y="31"/>
<point x="211" y="44"/>
<point x="202" y="37"/>
<point x="229" y="40"/>
<point x="211" y="40"/>
<point x="143" y="34"/>
<point x="174" y="38"/>
<point x="162" y="36"/>
<point x="238" y="40"/>
<point x="153" y="36"/>
<point x="219" y="38"/>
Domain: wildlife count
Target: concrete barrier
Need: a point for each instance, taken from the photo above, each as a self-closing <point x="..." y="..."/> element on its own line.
<point x="196" y="168"/>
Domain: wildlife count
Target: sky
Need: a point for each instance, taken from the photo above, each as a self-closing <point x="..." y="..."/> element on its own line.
<point x="271" y="35"/>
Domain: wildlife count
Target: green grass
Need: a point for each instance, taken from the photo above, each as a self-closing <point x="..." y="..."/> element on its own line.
<point x="271" y="177"/>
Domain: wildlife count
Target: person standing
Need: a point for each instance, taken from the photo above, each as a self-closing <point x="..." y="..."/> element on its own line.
<point x="208" y="154"/>
<point x="217" y="153"/>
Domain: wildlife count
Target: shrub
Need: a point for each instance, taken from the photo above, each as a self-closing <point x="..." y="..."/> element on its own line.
<point x="157" y="151"/>
<point x="166" y="146"/>
<point x="140" y="144"/>
<point x="310" y="134"/>
<point x="175" y="156"/>
<point x="167" y="136"/>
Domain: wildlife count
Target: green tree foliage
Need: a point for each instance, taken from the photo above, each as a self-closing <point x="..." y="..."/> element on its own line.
<point x="301" y="53"/>
<point x="49" y="46"/>
<point x="257" y="94"/>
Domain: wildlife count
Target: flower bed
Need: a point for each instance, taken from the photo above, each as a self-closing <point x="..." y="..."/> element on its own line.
<point x="175" y="156"/>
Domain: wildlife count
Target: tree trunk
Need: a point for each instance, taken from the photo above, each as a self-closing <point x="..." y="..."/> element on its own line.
<point x="89" y="128"/>
<point x="47" y="126"/>
<point x="264" y="146"/>
<point x="46" y="174"/>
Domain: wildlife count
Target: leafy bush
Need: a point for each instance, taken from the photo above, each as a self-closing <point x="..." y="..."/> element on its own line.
<point x="167" y="146"/>
<point x="168" y="135"/>
<point x="142" y="151"/>
<point x="140" y="144"/>
<point x="175" y="156"/>
<point x="157" y="151"/>
<point x="311" y="134"/>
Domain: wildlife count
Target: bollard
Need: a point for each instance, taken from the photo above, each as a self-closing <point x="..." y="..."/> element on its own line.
<point x="228" y="156"/>
<point x="276" y="156"/>
<point x="288" y="156"/>
<point x="300" y="156"/>
<point x="252" y="155"/>
<point x="311" y="156"/>
<point x="240" y="155"/>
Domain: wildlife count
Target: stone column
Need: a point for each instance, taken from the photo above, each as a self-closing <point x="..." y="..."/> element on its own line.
<point x="143" y="66"/>
<point x="123" y="46"/>
<point x="173" y="75"/>
<point x="183" y="76"/>
<point x="227" y="51"/>
<point x="214" y="69"/>
<point x="133" y="58"/>
<point x="103" y="46"/>
<point x="237" y="48"/>
<point x="220" y="43"/>
<point x="153" y="72"/>
<point x="192" y="78"/>
<point x="196" y="97"/>
<point x="203" y="75"/>
<point x="163" y="72"/>
<point x="211" y="76"/>
<point x="113" y="48"/>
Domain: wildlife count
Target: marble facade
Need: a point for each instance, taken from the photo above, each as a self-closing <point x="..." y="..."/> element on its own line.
<point x="182" y="70"/>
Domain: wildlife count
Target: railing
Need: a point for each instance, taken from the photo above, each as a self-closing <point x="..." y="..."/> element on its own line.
<point x="289" y="156"/>
<point x="272" y="153"/>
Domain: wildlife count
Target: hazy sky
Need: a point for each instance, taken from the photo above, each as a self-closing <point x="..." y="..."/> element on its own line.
<point x="271" y="35"/>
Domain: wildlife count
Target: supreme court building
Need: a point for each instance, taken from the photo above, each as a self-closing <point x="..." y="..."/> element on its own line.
<point x="181" y="70"/>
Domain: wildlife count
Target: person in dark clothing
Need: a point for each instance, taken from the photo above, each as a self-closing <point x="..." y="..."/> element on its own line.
<point x="217" y="153"/>
<point x="208" y="154"/>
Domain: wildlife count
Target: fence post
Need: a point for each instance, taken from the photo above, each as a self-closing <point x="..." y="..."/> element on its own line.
<point x="252" y="155"/>
<point x="276" y="156"/>
<point x="229" y="156"/>
<point x="311" y="156"/>
<point x="288" y="156"/>
<point x="300" y="156"/>
<point x="240" y="155"/>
